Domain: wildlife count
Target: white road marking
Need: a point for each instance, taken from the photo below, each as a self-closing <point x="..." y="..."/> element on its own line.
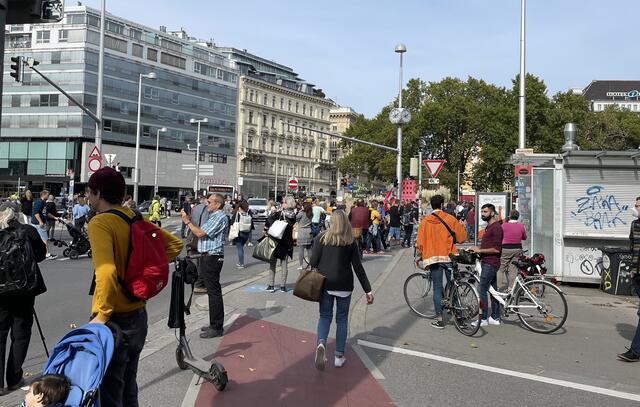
<point x="563" y="383"/>
<point x="270" y="304"/>
<point x="368" y="363"/>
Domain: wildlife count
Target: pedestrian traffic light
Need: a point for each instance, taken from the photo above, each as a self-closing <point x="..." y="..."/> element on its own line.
<point x="16" y="68"/>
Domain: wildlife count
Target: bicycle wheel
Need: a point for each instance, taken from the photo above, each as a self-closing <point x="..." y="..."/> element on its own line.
<point x="465" y="307"/>
<point x="541" y="306"/>
<point x="417" y="294"/>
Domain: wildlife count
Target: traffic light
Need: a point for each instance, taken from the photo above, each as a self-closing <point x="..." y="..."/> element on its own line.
<point x="16" y="68"/>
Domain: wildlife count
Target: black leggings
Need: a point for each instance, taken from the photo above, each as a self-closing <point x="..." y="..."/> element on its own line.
<point x="408" y="231"/>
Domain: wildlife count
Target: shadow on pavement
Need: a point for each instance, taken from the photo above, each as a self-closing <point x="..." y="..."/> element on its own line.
<point x="626" y="331"/>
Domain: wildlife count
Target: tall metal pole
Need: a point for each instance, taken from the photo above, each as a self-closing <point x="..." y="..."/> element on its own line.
<point x="275" y="188"/>
<point x="419" y="180"/>
<point x="197" y="188"/>
<point x="155" y="178"/>
<point x="399" y="160"/>
<point x="458" y="185"/>
<point x="522" y="97"/>
<point x="136" y="170"/>
<point x="99" y="102"/>
<point x="4" y="9"/>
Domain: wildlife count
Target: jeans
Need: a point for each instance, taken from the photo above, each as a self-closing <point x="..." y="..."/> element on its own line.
<point x="342" y="317"/>
<point x="394" y="233"/>
<point x="436" y="270"/>
<point x="488" y="277"/>
<point x="211" y="267"/>
<point x="119" y="387"/>
<point x="635" y="344"/>
<point x="239" y="242"/>
<point x="16" y="320"/>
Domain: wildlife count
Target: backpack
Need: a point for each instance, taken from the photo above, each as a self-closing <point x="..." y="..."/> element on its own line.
<point x="18" y="268"/>
<point x="147" y="266"/>
<point x="245" y="222"/>
<point x="406" y="218"/>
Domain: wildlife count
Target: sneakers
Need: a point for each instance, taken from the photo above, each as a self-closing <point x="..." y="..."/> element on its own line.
<point x="320" y="359"/>
<point x="239" y="266"/>
<point x="492" y="321"/>
<point x="438" y="324"/>
<point x="270" y="289"/>
<point x="483" y="322"/>
<point x="339" y="361"/>
<point x="249" y="244"/>
<point x="283" y="289"/>
<point x="300" y="268"/>
<point x="629" y="356"/>
<point x="50" y="256"/>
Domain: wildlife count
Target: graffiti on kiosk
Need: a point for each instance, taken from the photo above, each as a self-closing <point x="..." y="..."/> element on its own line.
<point x="584" y="260"/>
<point x="599" y="209"/>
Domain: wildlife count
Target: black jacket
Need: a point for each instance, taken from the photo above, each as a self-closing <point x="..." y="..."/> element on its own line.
<point x="284" y="247"/>
<point x="337" y="264"/>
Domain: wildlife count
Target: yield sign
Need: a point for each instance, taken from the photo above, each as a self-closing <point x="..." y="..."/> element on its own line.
<point x="95" y="153"/>
<point x="434" y="166"/>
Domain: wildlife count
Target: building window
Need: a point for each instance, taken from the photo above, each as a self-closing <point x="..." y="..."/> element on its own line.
<point x="173" y="60"/>
<point x="175" y="98"/>
<point x="107" y="125"/>
<point x="174" y="46"/>
<point x="55" y="57"/>
<point x="146" y="131"/>
<point x="115" y="27"/>
<point x="249" y="141"/>
<point x="151" y="93"/>
<point x="281" y="103"/>
<point x="133" y="33"/>
<point x="297" y="106"/>
<point x="335" y="128"/>
<point x="115" y="44"/>
<point x="63" y="35"/>
<point x="264" y="120"/>
<point x="48" y="100"/>
<point x="251" y="95"/>
<point x="264" y="99"/>
<point x="152" y="54"/>
<point x="15" y="100"/>
<point x="304" y="109"/>
<point x="137" y="50"/>
<point x="250" y="117"/>
<point x="273" y="101"/>
<point x="43" y="37"/>
<point x="289" y="105"/>
<point x="322" y="113"/>
<point x="273" y="122"/>
<point x="311" y="111"/>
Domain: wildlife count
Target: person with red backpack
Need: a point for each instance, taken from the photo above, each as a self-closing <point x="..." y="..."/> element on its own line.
<point x="131" y="261"/>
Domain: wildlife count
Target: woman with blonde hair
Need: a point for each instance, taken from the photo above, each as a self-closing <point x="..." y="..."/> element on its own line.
<point x="335" y="254"/>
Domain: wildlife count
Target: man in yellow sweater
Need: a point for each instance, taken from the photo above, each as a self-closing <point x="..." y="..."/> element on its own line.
<point x="109" y="237"/>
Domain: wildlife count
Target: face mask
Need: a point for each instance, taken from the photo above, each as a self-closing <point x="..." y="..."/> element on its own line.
<point x="635" y="213"/>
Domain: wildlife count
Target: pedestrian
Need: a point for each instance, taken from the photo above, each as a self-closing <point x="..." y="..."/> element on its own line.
<point x="513" y="233"/>
<point x="317" y="214"/>
<point x="359" y="219"/>
<point x="52" y="215"/>
<point x="335" y="255"/>
<point x="633" y="354"/>
<point x="211" y="236"/>
<point x="169" y="206"/>
<point x="38" y="219"/>
<point x="394" y="223"/>
<point x="186" y="207"/>
<point x="284" y="246"/>
<point x="438" y="234"/>
<point x="304" y="239"/>
<point x="199" y="215"/>
<point x="50" y="390"/>
<point x="16" y="311"/>
<point x="163" y="205"/>
<point x="26" y="201"/>
<point x="155" y="211"/>
<point x="80" y="212"/>
<point x="241" y="214"/>
<point x="489" y="250"/>
<point x="471" y="222"/>
<point x="375" y="230"/>
<point x="109" y="235"/>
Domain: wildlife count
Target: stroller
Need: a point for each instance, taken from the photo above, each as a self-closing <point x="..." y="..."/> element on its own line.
<point x="79" y="242"/>
<point x="83" y="356"/>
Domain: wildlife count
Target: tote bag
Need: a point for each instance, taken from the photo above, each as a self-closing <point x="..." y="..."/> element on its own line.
<point x="276" y="230"/>
<point x="264" y="249"/>
<point x="234" y="230"/>
<point x="309" y="285"/>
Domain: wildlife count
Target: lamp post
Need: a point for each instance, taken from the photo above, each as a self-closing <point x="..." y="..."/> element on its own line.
<point x="155" y="178"/>
<point x="98" y="137"/>
<point x="275" y="188"/>
<point x="196" y="185"/>
<point x="523" y="77"/>
<point x="400" y="49"/>
<point x="136" y="169"/>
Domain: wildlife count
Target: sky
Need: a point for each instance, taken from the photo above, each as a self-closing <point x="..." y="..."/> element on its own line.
<point x="347" y="47"/>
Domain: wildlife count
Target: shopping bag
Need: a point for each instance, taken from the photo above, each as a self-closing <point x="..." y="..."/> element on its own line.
<point x="264" y="249"/>
<point x="309" y="285"/>
<point x="234" y="231"/>
<point x="276" y="230"/>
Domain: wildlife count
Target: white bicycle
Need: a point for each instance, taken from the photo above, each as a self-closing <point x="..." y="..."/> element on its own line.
<point x="540" y="305"/>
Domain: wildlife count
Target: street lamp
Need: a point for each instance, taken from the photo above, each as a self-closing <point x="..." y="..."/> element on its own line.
<point x="136" y="169"/>
<point x="400" y="49"/>
<point x="196" y="186"/>
<point x="155" y="178"/>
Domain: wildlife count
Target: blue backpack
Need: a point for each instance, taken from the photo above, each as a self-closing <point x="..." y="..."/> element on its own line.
<point x="83" y="356"/>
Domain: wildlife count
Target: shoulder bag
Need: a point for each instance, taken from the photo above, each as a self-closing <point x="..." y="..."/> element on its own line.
<point x="265" y="248"/>
<point x="277" y="228"/>
<point x="234" y="230"/>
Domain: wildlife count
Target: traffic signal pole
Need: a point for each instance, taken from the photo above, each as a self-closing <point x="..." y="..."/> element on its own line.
<point x="4" y="9"/>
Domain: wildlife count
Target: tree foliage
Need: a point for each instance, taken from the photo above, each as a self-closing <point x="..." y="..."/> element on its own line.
<point x="472" y="121"/>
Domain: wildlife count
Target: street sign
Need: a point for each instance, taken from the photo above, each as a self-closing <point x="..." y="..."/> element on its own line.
<point x="95" y="164"/>
<point x="524" y="151"/>
<point x="95" y="153"/>
<point x="240" y="181"/>
<point x="434" y="166"/>
<point x="434" y="181"/>
<point x="110" y="158"/>
<point x="293" y="183"/>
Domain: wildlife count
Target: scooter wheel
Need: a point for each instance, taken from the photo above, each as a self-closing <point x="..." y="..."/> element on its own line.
<point x="66" y="252"/>
<point x="218" y="376"/>
<point x="89" y="254"/>
<point x="73" y="255"/>
<point x="180" y="359"/>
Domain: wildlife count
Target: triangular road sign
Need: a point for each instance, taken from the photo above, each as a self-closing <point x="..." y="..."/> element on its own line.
<point x="434" y="166"/>
<point x="95" y="153"/>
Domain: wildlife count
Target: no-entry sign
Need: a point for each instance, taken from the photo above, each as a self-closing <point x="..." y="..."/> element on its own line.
<point x="293" y="183"/>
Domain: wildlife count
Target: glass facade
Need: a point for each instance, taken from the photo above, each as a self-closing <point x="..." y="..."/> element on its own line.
<point x="42" y="131"/>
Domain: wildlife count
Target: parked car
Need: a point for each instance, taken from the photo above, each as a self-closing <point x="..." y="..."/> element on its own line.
<point x="258" y="206"/>
<point x="144" y="206"/>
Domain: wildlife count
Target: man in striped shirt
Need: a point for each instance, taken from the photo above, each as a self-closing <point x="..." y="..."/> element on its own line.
<point x="633" y="354"/>
<point x="211" y="237"/>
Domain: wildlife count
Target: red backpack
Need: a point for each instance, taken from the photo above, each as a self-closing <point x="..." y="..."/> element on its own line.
<point x="147" y="265"/>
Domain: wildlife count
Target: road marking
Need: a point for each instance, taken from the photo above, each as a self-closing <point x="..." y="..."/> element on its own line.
<point x="563" y="383"/>
<point x="192" y="391"/>
<point x="270" y="304"/>
<point x="368" y="363"/>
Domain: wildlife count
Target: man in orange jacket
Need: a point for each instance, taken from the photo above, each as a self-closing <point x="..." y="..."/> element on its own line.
<point x="437" y="235"/>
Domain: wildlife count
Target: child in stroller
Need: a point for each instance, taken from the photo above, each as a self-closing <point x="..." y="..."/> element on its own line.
<point x="79" y="242"/>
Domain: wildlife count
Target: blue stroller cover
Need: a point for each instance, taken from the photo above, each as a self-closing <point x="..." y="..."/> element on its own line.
<point x="83" y="356"/>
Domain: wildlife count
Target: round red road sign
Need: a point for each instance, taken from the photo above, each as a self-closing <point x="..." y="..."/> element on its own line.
<point x="95" y="164"/>
<point x="293" y="183"/>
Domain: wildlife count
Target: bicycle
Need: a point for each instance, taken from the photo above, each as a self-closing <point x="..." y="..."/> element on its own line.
<point x="460" y="297"/>
<point x="531" y="293"/>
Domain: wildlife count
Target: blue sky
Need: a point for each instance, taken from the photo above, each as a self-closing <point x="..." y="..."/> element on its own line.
<point x="346" y="47"/>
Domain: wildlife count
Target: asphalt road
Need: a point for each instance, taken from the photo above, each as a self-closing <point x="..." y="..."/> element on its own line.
<point x="67" y="302"/>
